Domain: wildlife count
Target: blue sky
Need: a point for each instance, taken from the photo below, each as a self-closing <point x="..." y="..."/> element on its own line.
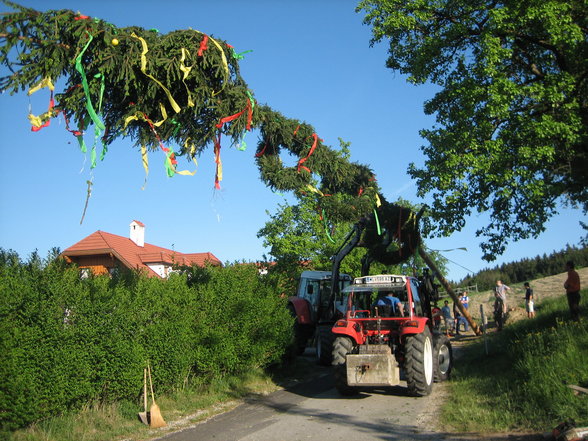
<point x="310" y="60"/>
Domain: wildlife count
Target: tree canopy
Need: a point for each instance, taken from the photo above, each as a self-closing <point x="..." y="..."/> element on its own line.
<point x="512" y="111"/>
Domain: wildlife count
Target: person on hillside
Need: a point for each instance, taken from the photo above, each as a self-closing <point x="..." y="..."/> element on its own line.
<point x="529" y="303"/>
<point x="572" y="286"/>
<point x="500" y="307"/>
<point x="447" y="318"/>
<point x="459" y="318"/>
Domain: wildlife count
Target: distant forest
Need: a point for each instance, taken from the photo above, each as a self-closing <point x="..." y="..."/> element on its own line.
<point x="528" y="269"/>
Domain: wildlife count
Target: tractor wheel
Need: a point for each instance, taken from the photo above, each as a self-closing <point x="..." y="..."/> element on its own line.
<point x="324" y="345"/>
<point x="419" y="363"/>
<point x="299" y="343"/>
<point x="341" y="347"/>
<point x="442" y="358"/>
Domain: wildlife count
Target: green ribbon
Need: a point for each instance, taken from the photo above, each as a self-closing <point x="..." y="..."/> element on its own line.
<point x="239" y="56"/>
<point x="169" y="167"/>
<point x="326" y="227"/>
<point x="97" y="129"/>
<point x="80" y="137"/>
<point x="177" y="124"/>
<point x="80" y="69"/>
<point x="377" y="222"/>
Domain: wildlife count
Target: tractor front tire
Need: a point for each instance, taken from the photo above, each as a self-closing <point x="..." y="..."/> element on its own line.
<point x="442" y="358"/>
<point x="341" y="347"/>
<point x="324" y="344"/>
<point x="418" y="363"/>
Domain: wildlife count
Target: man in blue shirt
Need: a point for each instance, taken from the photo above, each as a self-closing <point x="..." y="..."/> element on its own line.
<point x="391" y="300"/>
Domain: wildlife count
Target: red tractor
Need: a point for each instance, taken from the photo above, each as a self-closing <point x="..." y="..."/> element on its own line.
<point x="387" y="335"/>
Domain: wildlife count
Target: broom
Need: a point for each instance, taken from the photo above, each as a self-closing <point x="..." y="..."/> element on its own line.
<point x="143" y="415"/>
<point x="156" y="420"/>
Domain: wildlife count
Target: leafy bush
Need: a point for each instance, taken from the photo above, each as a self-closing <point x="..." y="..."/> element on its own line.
<point x="67" y="342"/>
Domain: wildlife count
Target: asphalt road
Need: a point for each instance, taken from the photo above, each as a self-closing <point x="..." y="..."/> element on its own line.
<point x="314" y="410"/>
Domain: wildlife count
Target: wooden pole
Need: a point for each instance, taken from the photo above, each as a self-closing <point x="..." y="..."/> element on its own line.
<point x="449" y="290"/>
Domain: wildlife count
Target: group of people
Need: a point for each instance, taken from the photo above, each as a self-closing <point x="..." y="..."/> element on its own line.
<point x="571" y="285"/>
<point x="453" y="322"/>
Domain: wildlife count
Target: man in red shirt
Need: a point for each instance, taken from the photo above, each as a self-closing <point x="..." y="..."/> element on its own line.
<point x="572" y="286"/>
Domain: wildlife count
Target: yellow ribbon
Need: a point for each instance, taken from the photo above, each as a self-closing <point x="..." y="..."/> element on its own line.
<point x="186" y="71"/>
<point x="378" y="201"/>
<point x="314" y="190"/>
<point x="192" y="153"/>
<point x="225" y="64"/>
<point x="144" y="70"/>
<point x="163" y="113"/>
<point x="39" y="120"/>
<point x="145" y="160"/>
<point x="45" y="82"/>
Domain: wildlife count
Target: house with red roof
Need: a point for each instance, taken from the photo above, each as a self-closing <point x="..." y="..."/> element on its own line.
<point x="103" y="253"/>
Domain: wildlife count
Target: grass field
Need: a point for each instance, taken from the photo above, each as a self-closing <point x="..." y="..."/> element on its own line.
<point x="519" y="380"/>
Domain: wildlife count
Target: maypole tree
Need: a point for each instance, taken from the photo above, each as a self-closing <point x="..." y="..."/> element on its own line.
<point x="182" y="89"/>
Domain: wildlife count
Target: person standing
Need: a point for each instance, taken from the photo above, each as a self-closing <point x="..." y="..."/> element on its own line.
<point x="447" y="319"/>
<point x="529" y="302"/>
<point x="572" y="286"/>
<point x="500" y="303"/>
<point x="464" y="300"/>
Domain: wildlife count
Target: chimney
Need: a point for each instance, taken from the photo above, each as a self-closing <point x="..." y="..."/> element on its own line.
<point x="137" y="233"/>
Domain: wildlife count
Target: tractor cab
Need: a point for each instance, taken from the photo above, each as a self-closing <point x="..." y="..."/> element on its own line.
<point x="383" y="296"/>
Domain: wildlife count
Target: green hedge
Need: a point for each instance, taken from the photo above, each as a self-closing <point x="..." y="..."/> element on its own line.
<point x="66" y="342"/>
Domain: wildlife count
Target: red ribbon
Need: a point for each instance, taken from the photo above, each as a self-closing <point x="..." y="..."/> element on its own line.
<point x="257" y="155"/>
<point x="227" y="119"/>
<point x="46" y="123"/>
<point x="303" y="160"/>
<point x="203" y="45"/>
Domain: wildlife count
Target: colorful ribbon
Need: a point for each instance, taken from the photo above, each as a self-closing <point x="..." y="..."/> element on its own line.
<point x="324" y="218"/>
<point x="203" y="45"/>
<point x="311" y="151"/>
<point x="225" y="65"/>
<point x="219" y="165"/>
<point x="144" y="70"/>
<point x="80" y="69"/>
<point x="43" y="120"/>
<point x="186" y="71"/>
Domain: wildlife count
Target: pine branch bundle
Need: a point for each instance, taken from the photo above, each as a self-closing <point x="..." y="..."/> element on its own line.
<point x="185" y="88"/>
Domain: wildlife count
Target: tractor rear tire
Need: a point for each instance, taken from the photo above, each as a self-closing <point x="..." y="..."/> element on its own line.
<point x="341" y="347"/>
<point x="442" y="358"/>
<point x="324" y="344"/>
<point x="418" y="363"/>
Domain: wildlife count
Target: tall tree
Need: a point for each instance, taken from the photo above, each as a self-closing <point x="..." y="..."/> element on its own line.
<point x="512" y="112"/>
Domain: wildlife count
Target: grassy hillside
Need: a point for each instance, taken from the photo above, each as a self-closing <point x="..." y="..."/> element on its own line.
<point x="543" y="289"/>
<point x="519" y="379"/>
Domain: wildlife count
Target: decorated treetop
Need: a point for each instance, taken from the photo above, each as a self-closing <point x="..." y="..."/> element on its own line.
<point x="182" y="88"/>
